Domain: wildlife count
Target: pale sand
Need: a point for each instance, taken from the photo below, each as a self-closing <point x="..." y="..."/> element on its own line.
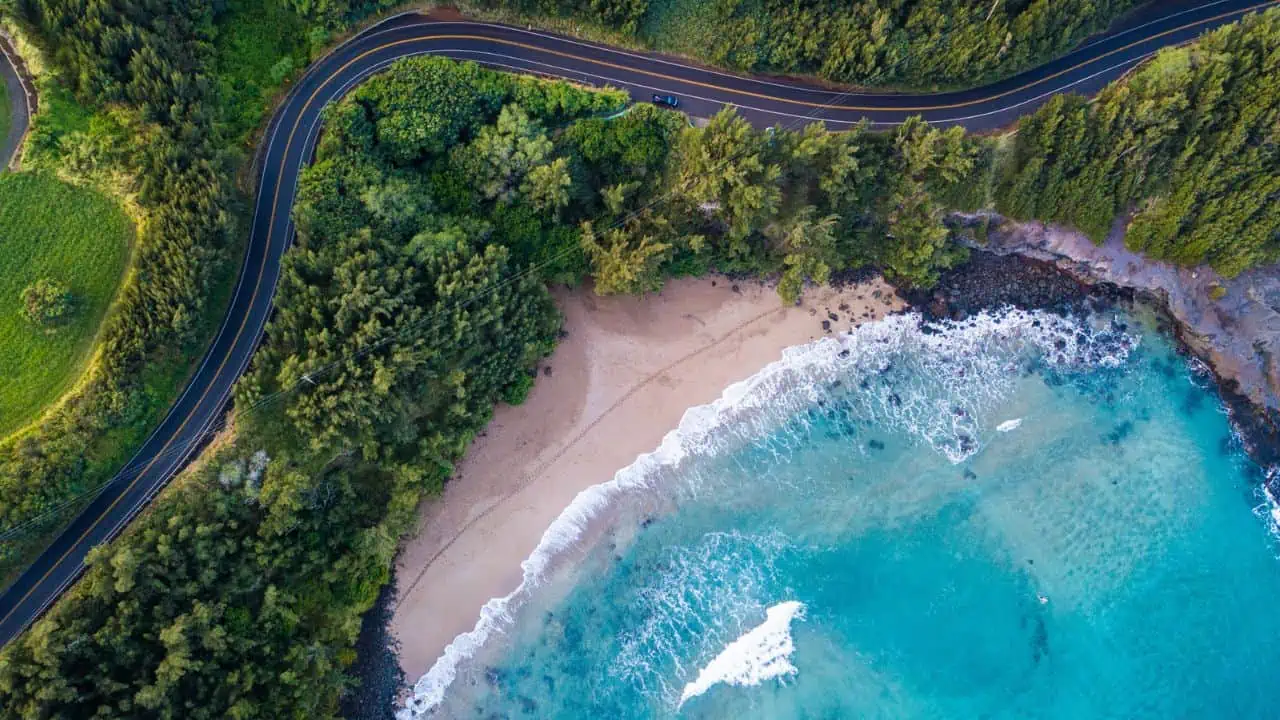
<point x="620" y="381"/>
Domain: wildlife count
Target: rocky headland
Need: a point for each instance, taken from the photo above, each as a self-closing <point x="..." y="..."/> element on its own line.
<point x="1232" y="324"/>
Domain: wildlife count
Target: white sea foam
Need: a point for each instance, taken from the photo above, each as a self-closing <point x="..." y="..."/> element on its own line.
<point x="972" y="365"/>
<point x="1270" y="505"/>
<point x="692" y="603"/>
<point x="1009" y="425"/>
<point x="961" y="372"/>
<point x="763" y="653"/>
<point x="695" y="433"/>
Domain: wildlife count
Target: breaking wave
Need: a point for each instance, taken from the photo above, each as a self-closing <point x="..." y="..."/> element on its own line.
<point x="960" y="372"/>
<point x="761" y="654"/>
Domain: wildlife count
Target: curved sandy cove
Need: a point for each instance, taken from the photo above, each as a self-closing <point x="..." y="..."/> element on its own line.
<point x="620" y="380"/>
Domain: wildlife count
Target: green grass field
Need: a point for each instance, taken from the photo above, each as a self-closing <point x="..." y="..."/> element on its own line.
<point x="77" y="237"/>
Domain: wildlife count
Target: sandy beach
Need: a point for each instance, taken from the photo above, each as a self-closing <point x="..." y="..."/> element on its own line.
<point x="620" y="380"/>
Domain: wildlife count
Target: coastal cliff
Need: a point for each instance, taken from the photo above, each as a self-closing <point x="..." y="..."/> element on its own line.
<point x="1233" y="324"/>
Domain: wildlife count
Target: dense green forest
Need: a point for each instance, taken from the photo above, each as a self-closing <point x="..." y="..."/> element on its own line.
<point x="145" y="61"/>
<point x="918" y="43"/>
<point x="443" y="200"/>
<point x="1191" y="143"/>
<point x="414" y="300"/>
<point x="631" y="199"/>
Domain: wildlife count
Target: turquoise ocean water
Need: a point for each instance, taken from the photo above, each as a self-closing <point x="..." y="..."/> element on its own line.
<point x="1020" y="516"/>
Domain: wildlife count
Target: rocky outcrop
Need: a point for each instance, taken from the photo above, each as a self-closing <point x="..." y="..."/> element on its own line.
<point x="1231" y="323"/>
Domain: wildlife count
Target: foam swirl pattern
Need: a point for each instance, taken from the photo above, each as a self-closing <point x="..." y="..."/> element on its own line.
<point x="1099" y="558"/>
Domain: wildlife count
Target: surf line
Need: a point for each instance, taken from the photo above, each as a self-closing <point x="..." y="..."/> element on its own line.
<point x="763" y="653"/>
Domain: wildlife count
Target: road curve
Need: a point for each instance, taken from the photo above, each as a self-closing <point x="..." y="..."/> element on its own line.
<point x="290" y="141"/>
<point x="19" y="112"/>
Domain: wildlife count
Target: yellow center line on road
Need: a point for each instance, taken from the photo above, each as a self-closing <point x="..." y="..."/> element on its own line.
<point x="804" y="103"/>
<point x="711" y="86"/>
<point x="235" y="341"/>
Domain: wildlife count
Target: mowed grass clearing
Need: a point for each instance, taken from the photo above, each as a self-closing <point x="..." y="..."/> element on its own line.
<point x="76" y="236"/>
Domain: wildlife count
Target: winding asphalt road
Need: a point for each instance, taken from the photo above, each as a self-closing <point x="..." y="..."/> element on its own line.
<point x="291" y="140"/>
<point x="18" y="111"/>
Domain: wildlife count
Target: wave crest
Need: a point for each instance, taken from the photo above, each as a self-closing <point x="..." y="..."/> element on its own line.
<point x="969" y="367"/>
<point x="763" y="653"/>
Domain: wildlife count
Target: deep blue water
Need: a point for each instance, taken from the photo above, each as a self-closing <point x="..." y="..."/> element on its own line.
<point x="1019" y="517"/>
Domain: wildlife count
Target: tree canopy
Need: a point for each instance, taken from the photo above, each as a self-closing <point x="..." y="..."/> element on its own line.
<point x="905" y="42"/>
<point x="922" y="43"/>
<point x="443" y="200"/>
<point x="142" y="65"/>
<point x="1187" y="147"/>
